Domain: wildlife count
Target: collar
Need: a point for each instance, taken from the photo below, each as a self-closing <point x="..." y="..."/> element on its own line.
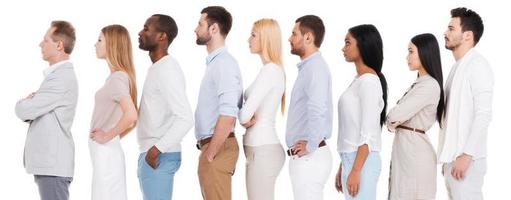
<point x="161" y="60"/>
<point x="466" y="56"/>
<point x="305" y="60"/>
<point x="215" y="53"/>
<point x="53" y="67"/>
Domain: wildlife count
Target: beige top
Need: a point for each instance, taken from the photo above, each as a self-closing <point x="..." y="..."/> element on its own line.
<point x="107" y="110"/>
<point x="417" y="108"/>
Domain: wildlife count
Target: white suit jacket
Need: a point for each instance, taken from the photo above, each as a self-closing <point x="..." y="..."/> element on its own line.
<point x="468" y="109"/>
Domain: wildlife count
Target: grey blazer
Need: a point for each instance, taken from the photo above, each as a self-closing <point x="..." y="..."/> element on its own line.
<point x="49" y="147"/>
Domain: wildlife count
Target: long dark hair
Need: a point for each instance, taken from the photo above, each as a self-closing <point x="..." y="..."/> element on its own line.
<point x="429" y="55"/>
<point x="370" y="46"/>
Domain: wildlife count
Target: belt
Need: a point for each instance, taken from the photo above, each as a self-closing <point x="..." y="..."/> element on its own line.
<point x="291" y="153"/>
<point x="201" y="143"/>
<point x="411" y="129"/>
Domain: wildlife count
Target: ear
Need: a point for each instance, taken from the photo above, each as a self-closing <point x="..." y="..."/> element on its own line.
<point x="162" y="36"/>
<point x="60" y="45"/>
<point x="309" y="38"/>
<point x="468" y="36"/>
<point x="214" y="28"/>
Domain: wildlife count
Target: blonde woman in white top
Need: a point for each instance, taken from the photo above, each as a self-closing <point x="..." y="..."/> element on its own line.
<point x="264" y="153"/>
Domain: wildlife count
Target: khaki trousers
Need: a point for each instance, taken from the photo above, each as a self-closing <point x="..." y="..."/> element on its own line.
<point x="215" y="176"/>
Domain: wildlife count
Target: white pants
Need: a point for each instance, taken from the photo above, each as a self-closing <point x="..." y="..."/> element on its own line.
<point x="264" y="164"/>
<point x="109" y="170"/>
<point x="309" y="174"/>
<point x="470" y="188"/>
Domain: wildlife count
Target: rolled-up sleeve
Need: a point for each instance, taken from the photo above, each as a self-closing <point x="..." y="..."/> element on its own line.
<point x="229" y="89"/>
<point x="317" y="107"/>
<point x="370" y="99"/>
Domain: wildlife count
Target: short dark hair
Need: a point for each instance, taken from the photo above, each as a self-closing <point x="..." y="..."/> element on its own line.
<point x="219" y="15"/>
<point x="64" y="32"/>
<point x="314" y="24"/>
<point x="429" y="56"/>
<point x="469" y="21"/>
<point x="370" y="47"/>
<point x="167" y="25"/>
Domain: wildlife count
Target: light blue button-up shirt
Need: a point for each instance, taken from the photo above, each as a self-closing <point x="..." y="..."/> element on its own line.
<point x="310" y="109"/>
<point x="220" y="92"/>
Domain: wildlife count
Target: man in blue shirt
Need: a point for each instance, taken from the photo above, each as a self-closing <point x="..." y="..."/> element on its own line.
<point x="309" y="121"/>
<point x="217" y="107"/>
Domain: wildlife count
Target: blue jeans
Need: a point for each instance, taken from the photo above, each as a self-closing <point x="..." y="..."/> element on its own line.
<point x="157" y="184"/>
<point x="368" y="176"/>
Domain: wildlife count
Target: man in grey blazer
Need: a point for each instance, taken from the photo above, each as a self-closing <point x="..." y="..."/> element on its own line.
<point x="49" y="147"/>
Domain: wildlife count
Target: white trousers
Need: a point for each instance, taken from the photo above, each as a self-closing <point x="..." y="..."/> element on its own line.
<point x="309" y="174"/>
<point x="264" y="164"/>
<point x="109" y="170"/>
<point x="470" y="188"/>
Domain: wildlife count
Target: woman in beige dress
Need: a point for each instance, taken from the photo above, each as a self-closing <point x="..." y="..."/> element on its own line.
<point x="114" y="115"/>
<point x="413" y="163"/>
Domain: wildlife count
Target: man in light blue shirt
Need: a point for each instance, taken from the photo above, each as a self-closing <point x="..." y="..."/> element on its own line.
<point x="218" y="105"/>
<point x="309" y="121"/>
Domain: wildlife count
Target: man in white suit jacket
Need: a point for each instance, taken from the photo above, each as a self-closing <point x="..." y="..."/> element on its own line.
<point x="49" y="147"/>
<point x="468" y="91"/>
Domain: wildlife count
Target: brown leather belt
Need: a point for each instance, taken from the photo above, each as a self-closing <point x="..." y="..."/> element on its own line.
<point x="411" y="129"/>
<point x="201" y="143"/>
<point x="291" y="153"/>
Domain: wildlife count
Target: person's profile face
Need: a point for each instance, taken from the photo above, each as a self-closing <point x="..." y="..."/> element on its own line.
<point x="413" y="59"/>
<point x="453" y="35"/>
<point x="297" y="41"/>
<point x="202" y="31"/>
<point x="101" y="47"/>
<point x="254" y="41"/>
<point x="350" y="49"/>
<point x="49" y="47"/>
<point x="147" y="37"/>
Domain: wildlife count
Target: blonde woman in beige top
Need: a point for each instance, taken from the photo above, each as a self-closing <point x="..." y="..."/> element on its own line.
<point x="413" y="163"/>
<point x="114" y="115"/>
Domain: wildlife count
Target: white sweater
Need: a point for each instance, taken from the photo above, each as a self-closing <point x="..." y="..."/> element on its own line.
<point x="165" y="115"/>
<point x="262" y="98"/>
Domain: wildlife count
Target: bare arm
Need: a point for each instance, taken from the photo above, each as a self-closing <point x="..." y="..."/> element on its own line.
<point x="353" y="181"/>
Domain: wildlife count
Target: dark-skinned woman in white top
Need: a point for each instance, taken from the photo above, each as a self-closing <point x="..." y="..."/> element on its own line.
<point x="361" y="115"/>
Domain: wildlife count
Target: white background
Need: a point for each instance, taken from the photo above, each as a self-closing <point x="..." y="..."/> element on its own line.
<point x="24" y="23"/>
